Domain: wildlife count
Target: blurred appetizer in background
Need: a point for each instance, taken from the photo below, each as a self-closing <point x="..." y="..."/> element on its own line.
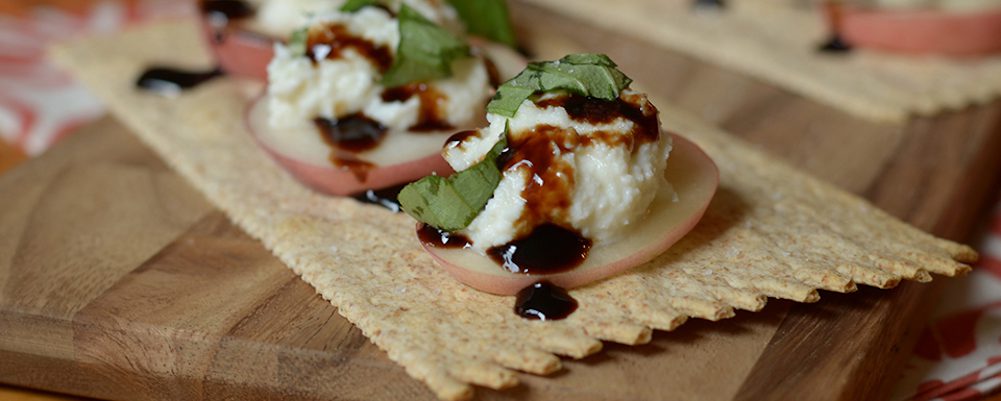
<point x="364" y="97"/>
<point x="954" y="28"/>
<point x="361" y="94"/>
<point x="241" y="33"/>
<point x="949" y="5"/>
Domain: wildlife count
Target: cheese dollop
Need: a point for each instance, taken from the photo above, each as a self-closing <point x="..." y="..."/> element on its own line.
<point x="279" y="18"/>
<point x="612" y="174"/>
<point x="301" y="89"/>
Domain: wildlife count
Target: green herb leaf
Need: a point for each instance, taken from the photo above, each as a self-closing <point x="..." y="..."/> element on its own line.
<point x="584" y="74"/>
<point x="297" y="43"/>
<point x="487" y="18"/>
<point x="452" y="203"/>
<point x="354" y="5"/>
<point x="425" y="53"/>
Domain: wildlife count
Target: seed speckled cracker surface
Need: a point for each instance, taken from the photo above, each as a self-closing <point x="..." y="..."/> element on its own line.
<point x="770" y="232"/>
<point x="777" y="40"/>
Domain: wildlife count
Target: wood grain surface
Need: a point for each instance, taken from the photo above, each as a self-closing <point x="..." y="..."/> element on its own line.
<point x="10" y="156"/>
<point x="119" y="281"/>
<point x="8" y="393"/>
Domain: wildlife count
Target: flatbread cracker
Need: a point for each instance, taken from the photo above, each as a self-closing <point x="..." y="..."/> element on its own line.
<point x="770" y="232"/>
<point x="776" y="41"/>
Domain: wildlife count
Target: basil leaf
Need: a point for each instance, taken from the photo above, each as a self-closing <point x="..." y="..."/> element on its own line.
<point x="425" y="53"/>
<point x="452" y="203"/>
<point x="297" y="43"/>
<point x="354" y="5"/>
<point x="487" y="18"/>
<point x="586" y="74"/>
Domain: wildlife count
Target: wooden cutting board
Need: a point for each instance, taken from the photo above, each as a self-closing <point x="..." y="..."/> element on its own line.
<point x="117" y="280"/>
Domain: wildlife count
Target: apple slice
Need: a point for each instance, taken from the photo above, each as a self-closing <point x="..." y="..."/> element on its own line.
<point x="694" y="177"/>
<point x="239" y="52"/>
<point x="963" y="34"/>
<point x="401" y="156"/>
<point x="238" y="49"/>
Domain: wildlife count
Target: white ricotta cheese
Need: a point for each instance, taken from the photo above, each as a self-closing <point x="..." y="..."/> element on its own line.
<point x="613" y="185"/>
<point x="301" y="90"/>
<point x="279" y="18"/>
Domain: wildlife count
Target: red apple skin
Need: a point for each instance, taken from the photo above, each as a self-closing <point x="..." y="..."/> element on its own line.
<point x="504" y="283"/>
<point x="970" y="34"/>
<point x="342" y="181"/>
<point x="240" y="52"/>
<point x="332" y="180"/>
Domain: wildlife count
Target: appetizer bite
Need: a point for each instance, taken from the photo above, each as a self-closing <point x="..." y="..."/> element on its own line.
<point x="959" y="28"/>
<point x="571" y="182"/>
<point x="242" y="33"/>
<point x="364" y="97"/>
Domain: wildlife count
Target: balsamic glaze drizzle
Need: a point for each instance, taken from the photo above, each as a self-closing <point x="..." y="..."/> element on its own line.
<point x="492" y="72"/>
<point x="544" y="301"/>
<point x="441" y="239"/>
<point x="709" y="4"/>
<point x="228" y="9"/>
<point x="385" y="197"/>
<point x="354" y="132"/>
<point x="220" y="13"/>
<point x="347" y="136"/>
<point x="459" y="137"/>
<point x="548" y="249"/>
<point x="835" y="18"/>
<point x="334" y="39"/>
<point x="430" y="117"/>
<point x="835" y="45"/>
<point x="170" y="81"/>
<point x="599" y="111"/>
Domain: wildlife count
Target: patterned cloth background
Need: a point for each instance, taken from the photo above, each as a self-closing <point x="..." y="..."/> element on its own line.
<point x="38" y="103"/>
<point x="958" y="356"/>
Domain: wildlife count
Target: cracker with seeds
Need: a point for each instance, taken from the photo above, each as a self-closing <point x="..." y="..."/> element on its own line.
<point x="770" y="232"/>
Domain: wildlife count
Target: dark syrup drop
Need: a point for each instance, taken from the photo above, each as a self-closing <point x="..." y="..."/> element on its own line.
<point x="493" y="72"/>
<point x="383" y="7"/>
<point x="228" y="9"/>
<point x="398" y="94"/>
<point x="441" y="239"/>
<point x="331" y="42"/>
<point x="548" y="249"/>
<point x="347" y="136"/>
<point x="835" y="45"/>
<point x="598" y="111"/>
<point x="354" y="133"/>
<point x="430" y="117"/>
<point x="835" y="19"/>
<point x="360" y="168"/>
<point x="170" y="81"/>
<point x="709" y="4"/>
<point x="385" y="197"/>
<point x="220" y="13"/>
<point x="544" y="301"/>
<point x="457" y="138"/>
